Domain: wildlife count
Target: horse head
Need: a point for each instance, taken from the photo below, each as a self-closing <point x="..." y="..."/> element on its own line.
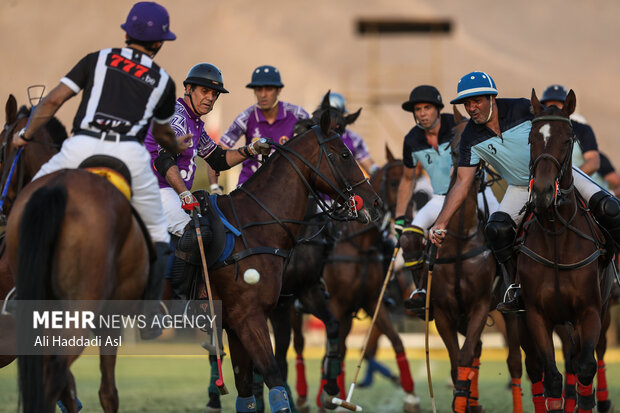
<point x="459" y="126"/>
<point x="385" y="182"/>
<point x="339" y="120"/>
<point x="551" y="145"/>
<point x="46" y="142"/>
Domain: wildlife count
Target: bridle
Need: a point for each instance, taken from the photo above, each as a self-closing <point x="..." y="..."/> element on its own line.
<point x="342" y="186"/>
<point x="563" y="168"/>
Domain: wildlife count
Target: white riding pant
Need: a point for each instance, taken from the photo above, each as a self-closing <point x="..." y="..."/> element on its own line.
<point x="516" y="196"/>
<point x="175" y="215"/>
<point x="427" y="216"/>
<point x="145" y="200"/>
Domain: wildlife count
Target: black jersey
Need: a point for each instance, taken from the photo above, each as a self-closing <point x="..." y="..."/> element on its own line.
<point x="123" y="90"/>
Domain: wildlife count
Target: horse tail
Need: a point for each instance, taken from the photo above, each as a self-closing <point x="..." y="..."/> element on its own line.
<point x="38" y="231"/>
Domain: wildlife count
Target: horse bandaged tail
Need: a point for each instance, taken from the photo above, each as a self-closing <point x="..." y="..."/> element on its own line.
<point x="114" y="178"/>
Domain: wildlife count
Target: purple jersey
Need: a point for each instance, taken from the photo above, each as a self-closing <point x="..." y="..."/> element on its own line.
<point x="183" y="122"/>
<point x="356" y="145"/>
<point x="252" y="123"/>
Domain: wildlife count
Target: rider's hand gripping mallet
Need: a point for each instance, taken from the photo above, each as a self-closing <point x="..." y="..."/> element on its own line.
<point x="220" y="381"/>
<point x="431" y="264"/>
<point x="347" y="403"/>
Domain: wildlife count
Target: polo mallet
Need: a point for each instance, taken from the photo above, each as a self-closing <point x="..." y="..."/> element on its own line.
<point x="220" y="381"/>
<point x="347" y="403"/>
<point x="431" y="264"/>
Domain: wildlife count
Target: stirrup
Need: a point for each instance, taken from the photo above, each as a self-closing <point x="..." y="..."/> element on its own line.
<point x="511" y="287"/>
<point x="417" y="291"/>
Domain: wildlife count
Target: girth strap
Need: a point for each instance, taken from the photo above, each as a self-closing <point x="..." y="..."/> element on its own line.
<point x="469" y="254"/>
<point x="542" y="260"/>
<point x="238" y="256"/>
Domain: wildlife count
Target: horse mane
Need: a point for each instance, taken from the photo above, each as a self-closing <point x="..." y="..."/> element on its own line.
<point x="54" y="127"/>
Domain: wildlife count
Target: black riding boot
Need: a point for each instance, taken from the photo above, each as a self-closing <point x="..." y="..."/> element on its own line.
<point x="412" y="243"/>
<point x="606" y="210"/>
<point x="153" y="291"/>
<point x="500" y="233"/>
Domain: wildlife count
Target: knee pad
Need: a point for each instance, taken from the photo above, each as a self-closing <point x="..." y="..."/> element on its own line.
<point x="188" y="242"/>
<point x="500" y="234"/>
<point x="412" y="243"/>
<point x="606" y="210"/>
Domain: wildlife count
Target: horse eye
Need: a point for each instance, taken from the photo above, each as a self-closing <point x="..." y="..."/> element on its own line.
<point x="346" y="155"/>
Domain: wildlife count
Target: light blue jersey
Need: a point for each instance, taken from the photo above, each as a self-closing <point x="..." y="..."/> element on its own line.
<point x="508" y="155"/>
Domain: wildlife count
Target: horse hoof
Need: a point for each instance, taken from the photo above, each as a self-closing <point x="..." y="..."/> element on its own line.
<point x="476" y="409"/>
<point x="212" y="410"/>
<point x="302" y="405"/>
<point x="326" y="400"/>
<point x="605" y="407"/>
<point x="411" y="403"/>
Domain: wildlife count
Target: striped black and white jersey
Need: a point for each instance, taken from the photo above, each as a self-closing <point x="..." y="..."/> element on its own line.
<point x="123" y="90"/>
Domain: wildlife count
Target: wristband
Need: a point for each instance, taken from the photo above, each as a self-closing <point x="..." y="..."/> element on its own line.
<point x="215" y="187"/>
<point x="22" y="134"/>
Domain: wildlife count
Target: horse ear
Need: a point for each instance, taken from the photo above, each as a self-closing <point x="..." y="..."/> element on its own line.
<point x="536" y="105"/>
<point x="11" y="109"/>
<point x="388" y="154"/>
<point x="349" y="119"/>
<point x="458" y="117"/>
<point x="325" y="101"/>
<point x="570" y="103"/>
<point x="325" y="122"/>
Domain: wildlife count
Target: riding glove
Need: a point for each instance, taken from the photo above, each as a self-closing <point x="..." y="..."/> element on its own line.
<point x="399" y="225"/>
<point x="188" y="201"/>
<point x="259" y="147"/>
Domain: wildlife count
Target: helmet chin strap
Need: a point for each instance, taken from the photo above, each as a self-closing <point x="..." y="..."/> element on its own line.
<point x="191" y="102"/>
<point x="419" y="125"/>
<point x="490" y="111"/>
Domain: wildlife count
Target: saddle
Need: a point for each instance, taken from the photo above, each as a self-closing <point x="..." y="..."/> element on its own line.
<point x="117" y="173"/>
<point x="222" y="234"/>
<point x="112" y="169"/>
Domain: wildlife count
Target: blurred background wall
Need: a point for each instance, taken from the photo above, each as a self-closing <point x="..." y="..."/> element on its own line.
<point x="317" y="46"/>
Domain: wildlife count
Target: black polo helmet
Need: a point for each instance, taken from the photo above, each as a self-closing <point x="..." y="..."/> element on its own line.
<point x="265" y="76"/>
<point x="207" y="75"/>
<point x="554" y="92"/>
<point x="423" y="94"/>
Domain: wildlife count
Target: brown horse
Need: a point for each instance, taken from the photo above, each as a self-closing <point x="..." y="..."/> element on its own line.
<point x="296" y="169"/>
<point x="559" y="263"/>
<point x="464" y="269"/>
<point x="46" y="143"/>
<point x="72" y="236"/>
<point x="354" y="274"/>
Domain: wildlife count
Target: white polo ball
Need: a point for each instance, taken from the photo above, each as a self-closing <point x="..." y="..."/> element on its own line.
<point x="251" y="276"/>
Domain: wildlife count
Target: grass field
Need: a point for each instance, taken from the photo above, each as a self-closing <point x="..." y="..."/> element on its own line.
<point x="178" y="384"/>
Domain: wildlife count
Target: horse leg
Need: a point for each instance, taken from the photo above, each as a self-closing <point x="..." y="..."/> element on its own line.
<point x="448" y="333"/>
<point x="344" y="327"/>
<point x="108" y="395"/>
<point x="469" y="356"/>
<point x="281" y="323"/>
<point x="314" y="301"/>
<point x="242" y="368"/>
<point x="515" y="366"/>
<point x="570" y="381"/>
<point x="533" y="366"/>
<point x="384" y="325"/>
<point x="254" y="336"/>
<point x="552" y="382"/>
<point x="590" y="326"/>
<point x="298" y="344"/>
<point x="603" y="404"/>
<point x="465" y="386"/>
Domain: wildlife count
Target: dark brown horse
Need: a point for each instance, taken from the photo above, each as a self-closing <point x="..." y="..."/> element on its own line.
<point x="354" y="274"/>
<point x="46" y="142"/>
<point x="464" y="272"/>
<point x="559" y="265"/>
<point x="71" y="235"/>
<point x="271" y="214"/>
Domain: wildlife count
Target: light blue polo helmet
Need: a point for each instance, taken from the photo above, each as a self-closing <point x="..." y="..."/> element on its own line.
<point x="474" y="84"/>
